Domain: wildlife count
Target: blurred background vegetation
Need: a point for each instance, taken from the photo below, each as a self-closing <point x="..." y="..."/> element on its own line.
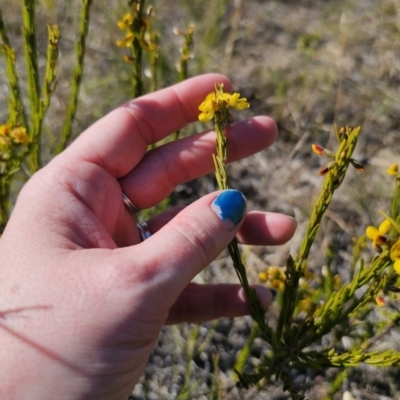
<point x="309" y="64"/>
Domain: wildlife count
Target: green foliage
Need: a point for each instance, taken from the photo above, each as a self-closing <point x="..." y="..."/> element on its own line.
<point x="76" y="75"/>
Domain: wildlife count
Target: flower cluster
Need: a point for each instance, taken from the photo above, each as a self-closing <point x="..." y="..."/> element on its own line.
<point x="274" y="277"/>
<point x="136" y="27"/>
<point x="125" y="25"/>
<point x="13" y="135"/>
<point x="219" y="102"/>
<point x="342" y="134"/>
<point x="382" y="240"/>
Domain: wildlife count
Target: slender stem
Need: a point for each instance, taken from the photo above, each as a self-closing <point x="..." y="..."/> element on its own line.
<point x="16" y="105"/>
<point x="138" y="29"/>
<point x="29" y="33"/>
<point x="77" y="75"/>
<point x="51" y="62"/>
<point x="296" y="267"/>
<point x="31" y="58"/>
<point x="220" y="159"/>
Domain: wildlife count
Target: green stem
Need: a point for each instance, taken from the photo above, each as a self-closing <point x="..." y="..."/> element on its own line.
<point x="295" y="268"/>
<point x="16" y="105"/>
<point x="31" y="58"/>
<point x="77" y="75"/>
<point x="137" y="51"/>
<point x="220" y="159"/>
<point x="51" y="62"/>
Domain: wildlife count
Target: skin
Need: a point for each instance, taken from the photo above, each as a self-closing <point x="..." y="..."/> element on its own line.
<point x="82" y="299"/>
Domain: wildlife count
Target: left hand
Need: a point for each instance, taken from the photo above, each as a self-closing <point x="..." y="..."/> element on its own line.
<point x="82" y="299"/>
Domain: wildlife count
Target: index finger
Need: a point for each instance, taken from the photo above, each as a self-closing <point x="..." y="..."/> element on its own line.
<point x="118" y="141"/>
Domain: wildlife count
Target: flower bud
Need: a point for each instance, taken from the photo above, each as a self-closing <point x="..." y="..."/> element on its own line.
<point x="357" y="165"/>
<point x="321" y="151"/>
<point x="380" y="301"/>
<point x="324" y="170"/>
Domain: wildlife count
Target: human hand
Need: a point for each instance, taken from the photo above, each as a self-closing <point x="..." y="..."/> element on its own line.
<point x="82" y="299"/>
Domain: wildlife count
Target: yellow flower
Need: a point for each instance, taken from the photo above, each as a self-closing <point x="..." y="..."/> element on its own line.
<point x="208" y="107"/>
<point x="238" y="103"/>
<point x="378" y="235"/>
<point x="4" y="130"/>
<point x="395" y="256"/>
<point x="263" y="276"/>
<point x="4" y="141"/>
<point x="306" y="305"/>
<point x="278" y="285"/>
<point x="127" y="41"/>
<point x="19" y="135"/>
<point x="275" y="273"/>
<point x="125" y="22"/>
<point x="219" y="101"/>
<point x="393" y="169"/>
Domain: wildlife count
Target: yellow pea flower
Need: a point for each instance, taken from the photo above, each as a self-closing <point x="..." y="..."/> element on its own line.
<point x="278" y="285"/>
<point x="395" y="256"/>
<point x="208" y="108"/>
<point x="19" y="135"/>
<point x="125" y="22"/>
<point x="219" y="102"/>
<point x="4" y="130"/>
<point x="238" y="103"/>
<point x="127" y="41"/>
<point x="263" y="276"/>
<point x="378" y="235"/>
<point x="5" y="141"/>
<point x="393" y="169"/>
<point x="223" y="98"/>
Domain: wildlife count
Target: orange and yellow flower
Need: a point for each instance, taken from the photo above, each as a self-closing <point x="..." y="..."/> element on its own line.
<point x="380" y="301"/>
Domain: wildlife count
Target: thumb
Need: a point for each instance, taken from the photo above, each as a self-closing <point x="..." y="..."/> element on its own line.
<point x="192" y="239"/>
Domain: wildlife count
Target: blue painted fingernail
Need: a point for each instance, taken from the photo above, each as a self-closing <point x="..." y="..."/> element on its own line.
<point x="274" y="293"/>
<point x="229" y="206"/>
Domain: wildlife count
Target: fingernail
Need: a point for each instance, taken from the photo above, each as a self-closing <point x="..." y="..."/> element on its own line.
<point x="230" y="207"/>
<point x="294" y="221"/>
<point x="274" y="293"/>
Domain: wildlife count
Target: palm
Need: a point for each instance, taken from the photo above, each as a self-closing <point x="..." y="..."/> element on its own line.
<point x="93" y="205"/>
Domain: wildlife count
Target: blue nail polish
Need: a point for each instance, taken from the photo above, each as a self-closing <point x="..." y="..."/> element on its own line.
<point x="274" y="293"/>
<point x="229" y="206"/>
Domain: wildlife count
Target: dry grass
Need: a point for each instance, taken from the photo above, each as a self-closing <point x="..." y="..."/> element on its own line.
<point x="309" y="64"/>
